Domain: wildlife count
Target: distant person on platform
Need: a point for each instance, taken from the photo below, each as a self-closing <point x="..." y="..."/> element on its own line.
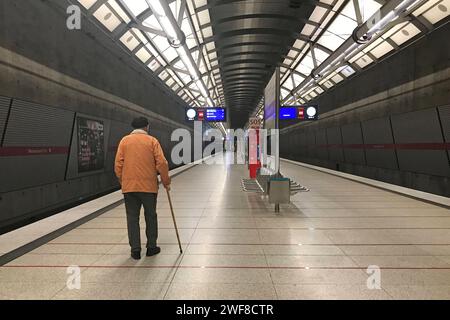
<point x="139" y="159"/>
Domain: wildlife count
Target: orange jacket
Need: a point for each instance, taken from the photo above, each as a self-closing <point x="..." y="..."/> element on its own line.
<point x="139" y="159"/>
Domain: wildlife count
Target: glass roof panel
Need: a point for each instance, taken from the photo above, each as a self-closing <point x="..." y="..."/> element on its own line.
<point x="136" y="6"/>
<point x="129" y="40"/>
<point x="107" y="18"/>
<point x="152" y="22"/>
<point x="87" y="3"/>
<point x="119" y="11"/>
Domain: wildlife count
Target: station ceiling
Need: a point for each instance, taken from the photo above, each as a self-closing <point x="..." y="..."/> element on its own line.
<point x="236" y="44"/>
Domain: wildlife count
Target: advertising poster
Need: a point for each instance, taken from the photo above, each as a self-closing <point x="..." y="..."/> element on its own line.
<point x="91" y="145"/>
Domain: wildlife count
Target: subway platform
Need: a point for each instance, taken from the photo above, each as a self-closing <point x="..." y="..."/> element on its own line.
<point x="237" y="247"/>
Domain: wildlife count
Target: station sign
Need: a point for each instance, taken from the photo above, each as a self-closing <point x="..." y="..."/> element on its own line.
<point x="300" y="113"/>
<point x="255" y="123"/>
<point x="206" y="114"/>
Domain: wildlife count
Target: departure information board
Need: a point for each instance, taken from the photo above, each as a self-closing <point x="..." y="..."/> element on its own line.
<point x="300" y="113"/>
<point x="206" y="114"/>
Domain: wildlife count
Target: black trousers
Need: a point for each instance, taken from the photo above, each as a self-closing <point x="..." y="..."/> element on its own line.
<point x="133" y="203"/>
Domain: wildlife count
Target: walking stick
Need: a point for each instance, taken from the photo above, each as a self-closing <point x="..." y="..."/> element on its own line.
<point x="174" y="222"/>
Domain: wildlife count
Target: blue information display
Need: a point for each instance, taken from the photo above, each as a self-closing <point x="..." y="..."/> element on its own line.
<point x="288" y="113"/>
<point x="206" y="114"/>
<point x="300" y="113"/>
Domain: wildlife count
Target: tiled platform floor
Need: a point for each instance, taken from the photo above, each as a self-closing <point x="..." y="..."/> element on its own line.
<point x="236" y="247"/>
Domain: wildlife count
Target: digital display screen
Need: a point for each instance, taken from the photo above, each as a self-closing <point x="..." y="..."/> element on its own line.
<point x="300" y="113"/>
<point x="288" y="113"/>
<point x="216" y="114"/>
<point x="206" y="114"/>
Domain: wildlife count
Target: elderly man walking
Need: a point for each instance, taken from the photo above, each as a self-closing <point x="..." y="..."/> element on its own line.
<point x="138" y="161"/>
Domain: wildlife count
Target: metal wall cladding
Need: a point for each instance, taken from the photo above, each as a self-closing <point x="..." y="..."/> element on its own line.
<point x="303" y="144"/>
<point x="35" y="125"/>
<point x="420" y="127"/>
<point x="4" y="108"/>
<point x="321" y="144"/>
<point x="378" y="133"/>
<point x="444" y="114"/>
<point x="352" y="137"/>
<point x="334" y="139"/>
<point x="311" y="143"/>
<point x="118" y="131"/>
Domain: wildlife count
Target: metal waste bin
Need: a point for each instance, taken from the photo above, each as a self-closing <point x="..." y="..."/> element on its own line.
<point x="279" y="190"/>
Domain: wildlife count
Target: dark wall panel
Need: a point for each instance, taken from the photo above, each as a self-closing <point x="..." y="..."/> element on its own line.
<point x="420" y="127"/>
<point x="30" y="126"/>
<point x="311" y="143"/>
<point x="118" y="131"/>
<point x="303" y="145"/>
<point x="444" y="114"/>
<point x="34" y="125"/>
<point x="335" y="141"/>
<point x="378" y="133"/>
<point x="352" y="135"/>
<point x="321" y="142"/>
<point x="4" y="108"/>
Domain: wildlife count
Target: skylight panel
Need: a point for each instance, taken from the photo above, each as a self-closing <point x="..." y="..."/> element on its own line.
<point x="203" y="17"/>
<point x="368" y="8"/>
<point x="308" y="29"/>
<point x="136" y="6"/>
<point x="170" y="54"/>
<point x="349" y="10"/>
<point x="163" y="75"/>
<point x="154" y="65"/>
<point x="207" y="32"/>
<point x="337" y="78"/>
<point x="129" y="40"/>
<point x="308" y="61"/>
<point x="318" y="14"/>
<point x="303" y="69"/>
<point x="364" y="61"/>
<point x="346" y="70"/>
<point x="170" y="82"/>
<point x="438" y="12"/>
<point x="330" y="40"/>
<point x="408" y="32"/>
<point x="200" y="3"/>
<point x="107" y="18"/>
<point x="343" y="26"/>
<point x="152" y="22"/>
<point x="143" y="54"/>
<point x="140" y="35"/>
<point x="288" y="84"/>
<point x="119" y="11"/>
<point x="427" y="5"/>
<point x="297" y="79"/>
<point x="320" y="55"/>
<point x="186" y="27"/>
<point x="382" y="49"/>
<point x="87" y="3"/>
<point x="190" y="42"/>
<point x="319" y="90"/>
<point x="161" y="43"/>
<point x="180" y="65"/>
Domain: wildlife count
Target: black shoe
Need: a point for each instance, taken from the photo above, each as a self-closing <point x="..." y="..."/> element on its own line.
<point x="136" y="255"/>
<point x="153" y="251"/>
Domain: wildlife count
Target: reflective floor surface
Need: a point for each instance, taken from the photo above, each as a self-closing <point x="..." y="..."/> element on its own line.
<point x="236" y="247"/>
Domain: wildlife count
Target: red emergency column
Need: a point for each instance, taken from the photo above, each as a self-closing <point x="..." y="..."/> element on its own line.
<point x="253" y="153"/>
